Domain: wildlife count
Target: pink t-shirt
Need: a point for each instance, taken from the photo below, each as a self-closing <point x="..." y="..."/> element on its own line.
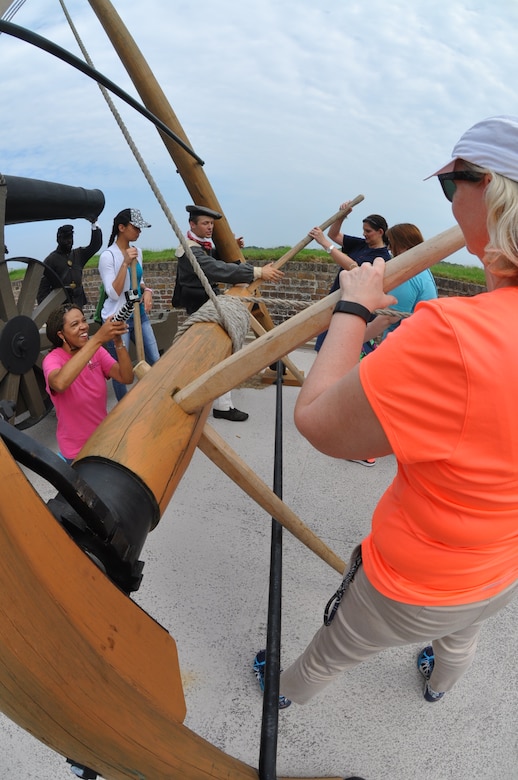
<point x="444" y="386"/>
<point x="82" y="406"/>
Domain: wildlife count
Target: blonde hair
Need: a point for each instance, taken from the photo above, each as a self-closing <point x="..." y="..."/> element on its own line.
<point x="501" y="197"/>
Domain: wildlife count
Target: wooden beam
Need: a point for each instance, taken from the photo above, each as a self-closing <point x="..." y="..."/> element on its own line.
<point x="307" y="324"/>
<point x="155" y="101"/>
<point x="216" y="448"/>
<point x="82" y="667"/>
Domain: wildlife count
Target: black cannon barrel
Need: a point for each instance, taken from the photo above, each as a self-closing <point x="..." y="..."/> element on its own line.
<point x="34" y="200"/>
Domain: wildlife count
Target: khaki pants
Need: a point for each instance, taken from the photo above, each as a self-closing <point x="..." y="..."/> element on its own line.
<point x="367" y="622"/>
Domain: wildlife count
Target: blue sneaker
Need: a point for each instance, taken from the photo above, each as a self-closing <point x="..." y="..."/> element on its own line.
<point x="425" y="664"/>
<point x="259" y="665"/>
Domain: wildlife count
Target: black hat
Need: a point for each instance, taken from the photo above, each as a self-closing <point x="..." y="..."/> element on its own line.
<point x="203" y="211"/>
<point x="65" y="230"/>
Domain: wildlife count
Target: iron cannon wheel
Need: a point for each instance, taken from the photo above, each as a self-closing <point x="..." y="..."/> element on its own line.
<point x="23" y="343"/>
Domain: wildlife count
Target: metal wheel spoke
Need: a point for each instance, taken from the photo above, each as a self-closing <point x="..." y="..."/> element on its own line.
<point x="31" y="393"/>
<point x="23" y="341"/>
<point x="29" y="288"/>
<point x="9" y="387"/>
<point x="54" y="299"/>
<point x="8" y="307"/>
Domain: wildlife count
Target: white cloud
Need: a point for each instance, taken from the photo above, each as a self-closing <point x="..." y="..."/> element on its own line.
<point x="293" y="106"/>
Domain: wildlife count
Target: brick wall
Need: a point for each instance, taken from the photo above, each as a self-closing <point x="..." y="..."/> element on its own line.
<point x="304" y="282"/>
<point x="159" y="276"/>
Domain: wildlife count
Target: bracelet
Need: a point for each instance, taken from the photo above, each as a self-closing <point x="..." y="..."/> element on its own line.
<point x="148" y="289"/>
<point x="330" y="248"/>
<point x="121" y="346"/>
<point x="350" y="307"/>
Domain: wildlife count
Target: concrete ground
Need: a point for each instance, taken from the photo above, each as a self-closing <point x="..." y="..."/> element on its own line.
<point x="206" y="580"/>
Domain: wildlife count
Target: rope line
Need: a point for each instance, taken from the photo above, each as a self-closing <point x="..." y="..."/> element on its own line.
<point x="11" y="10"/>
<point x="286" y="303"/>
<point x="221" y="311"/>
<point x="225" y="315"/>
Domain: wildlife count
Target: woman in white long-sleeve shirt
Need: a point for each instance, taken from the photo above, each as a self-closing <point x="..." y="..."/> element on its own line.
<point x="115" y="271"/>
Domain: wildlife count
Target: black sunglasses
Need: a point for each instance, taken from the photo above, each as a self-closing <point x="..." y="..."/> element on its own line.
<point x="448" y="181"/>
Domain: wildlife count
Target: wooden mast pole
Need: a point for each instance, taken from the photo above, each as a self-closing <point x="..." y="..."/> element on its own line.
<point x="154" y="99"/>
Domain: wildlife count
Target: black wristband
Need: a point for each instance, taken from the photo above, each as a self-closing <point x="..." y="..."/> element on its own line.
<point x="350" y="307"/>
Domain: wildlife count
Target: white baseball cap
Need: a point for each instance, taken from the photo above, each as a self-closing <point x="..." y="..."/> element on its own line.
<point x="491" y="143"/>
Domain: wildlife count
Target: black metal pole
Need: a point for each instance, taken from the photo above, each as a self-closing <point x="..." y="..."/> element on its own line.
<point x="270" y="722"/>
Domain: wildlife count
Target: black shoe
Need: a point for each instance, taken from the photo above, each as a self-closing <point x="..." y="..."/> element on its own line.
<point x="234" y="415"/>
<point x="82" y="771"/>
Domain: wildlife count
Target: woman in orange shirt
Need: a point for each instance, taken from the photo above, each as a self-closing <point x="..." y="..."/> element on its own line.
<point x="442" y="554"/>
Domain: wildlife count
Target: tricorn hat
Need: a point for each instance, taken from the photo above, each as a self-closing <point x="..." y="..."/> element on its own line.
<point x="203" y="211"/>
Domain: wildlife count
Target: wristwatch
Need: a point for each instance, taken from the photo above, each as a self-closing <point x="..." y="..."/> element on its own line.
<point x="330" y="248"/>
<point x="351" y="307"/>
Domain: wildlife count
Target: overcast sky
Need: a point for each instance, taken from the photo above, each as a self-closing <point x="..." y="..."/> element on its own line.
<point x="294" y="105"/>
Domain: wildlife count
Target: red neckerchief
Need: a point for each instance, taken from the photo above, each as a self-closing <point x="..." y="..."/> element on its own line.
<point x="206" y="243"/>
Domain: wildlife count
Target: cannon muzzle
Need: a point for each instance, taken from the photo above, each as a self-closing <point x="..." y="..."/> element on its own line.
<point x="34" y="200"/>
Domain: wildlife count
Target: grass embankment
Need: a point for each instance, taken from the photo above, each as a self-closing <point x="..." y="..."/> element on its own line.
<point x="258" y="255"/>
<point x="461" y="273"/>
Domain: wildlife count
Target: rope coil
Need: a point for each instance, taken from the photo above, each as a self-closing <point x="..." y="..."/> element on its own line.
<point x="236" y="320"/>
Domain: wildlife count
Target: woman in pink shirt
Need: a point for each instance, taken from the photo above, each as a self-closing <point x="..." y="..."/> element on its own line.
<point x="76" y="371"/>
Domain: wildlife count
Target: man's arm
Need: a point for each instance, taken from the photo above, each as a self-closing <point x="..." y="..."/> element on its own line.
<point x="86" y="252"/>
<point x="220" y="271"/>
<point x="234" y="273"/>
